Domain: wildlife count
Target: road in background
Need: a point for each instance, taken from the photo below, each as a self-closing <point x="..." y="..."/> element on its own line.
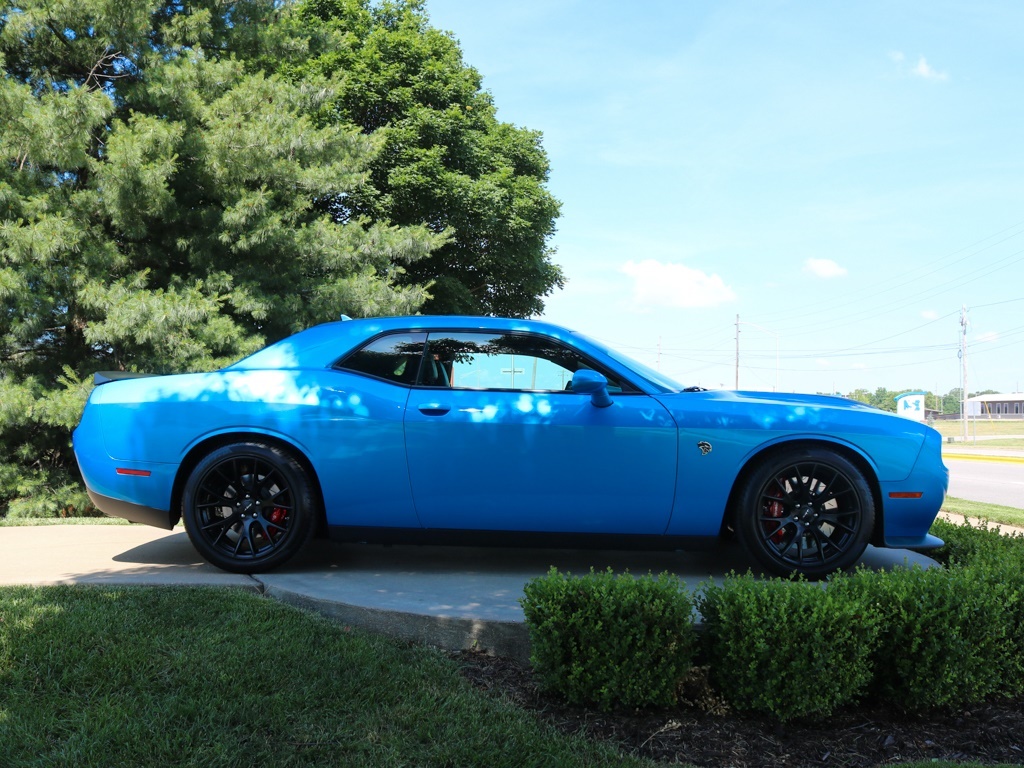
<point x="991" y="481"/>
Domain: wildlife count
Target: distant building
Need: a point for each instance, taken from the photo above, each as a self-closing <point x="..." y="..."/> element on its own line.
<point x="996" y="406"/>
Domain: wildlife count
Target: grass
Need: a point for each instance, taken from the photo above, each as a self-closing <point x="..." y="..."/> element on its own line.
<point x="93" y="676"/>
<point x="12" y="521"/>
<point x="994" y="513"/>
<point x="995" y="442"/>
<point x="980" y="427"/>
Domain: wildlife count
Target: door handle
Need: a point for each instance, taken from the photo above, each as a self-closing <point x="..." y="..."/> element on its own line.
<point x="433" y="409"/>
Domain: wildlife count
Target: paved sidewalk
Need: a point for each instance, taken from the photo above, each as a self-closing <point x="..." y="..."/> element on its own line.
<point x="454" y="597"/>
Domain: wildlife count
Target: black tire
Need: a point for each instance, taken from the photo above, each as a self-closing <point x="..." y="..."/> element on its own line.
<point x="807" y="511"/>
<point x="248" y="507"/>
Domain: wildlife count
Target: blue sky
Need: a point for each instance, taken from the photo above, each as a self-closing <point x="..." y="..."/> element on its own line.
<point x="843" y="176"/>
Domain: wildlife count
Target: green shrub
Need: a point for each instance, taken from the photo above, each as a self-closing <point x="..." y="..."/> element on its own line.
<point x="787" y="648"/>
<point x="966" y="542"/>
<point x="1003" y="577"/>
<point x="944" y="637"/>
<point x="607" y="640"/>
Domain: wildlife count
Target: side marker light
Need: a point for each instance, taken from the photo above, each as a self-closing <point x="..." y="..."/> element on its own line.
<point x="906" y="494"/>
<point x="135" y="472"/>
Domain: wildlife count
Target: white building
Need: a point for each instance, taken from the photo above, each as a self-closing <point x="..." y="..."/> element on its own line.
<point x="996" y="406"/>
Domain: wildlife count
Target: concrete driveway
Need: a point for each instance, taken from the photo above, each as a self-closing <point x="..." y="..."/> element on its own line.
<point x="454" y="597"/>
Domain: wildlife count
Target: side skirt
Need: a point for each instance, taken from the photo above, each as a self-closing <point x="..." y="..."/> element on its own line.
<point x="539" y="540"/>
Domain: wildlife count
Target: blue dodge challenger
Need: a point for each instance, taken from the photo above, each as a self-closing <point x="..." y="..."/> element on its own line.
<point x="509" y="432"/>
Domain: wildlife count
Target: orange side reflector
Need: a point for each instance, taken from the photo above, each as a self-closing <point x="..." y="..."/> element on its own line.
<point x="145" y="472"/>
<point x="906" y="494"/>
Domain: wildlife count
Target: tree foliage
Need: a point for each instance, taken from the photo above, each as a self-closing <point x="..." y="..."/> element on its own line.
<point x="885" y="399"/>
<point x="166" y="205"/>
<point x="445" y="159"/>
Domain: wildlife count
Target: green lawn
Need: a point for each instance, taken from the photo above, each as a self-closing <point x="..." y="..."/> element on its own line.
<point x="980" y="427"/>
<point x="994" y="513"/>
<point x="62" y="521"/>
<point x="95" y="676"/>
<point x="995" y="442"/>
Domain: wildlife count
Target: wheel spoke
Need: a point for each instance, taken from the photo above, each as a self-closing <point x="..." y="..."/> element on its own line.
<point x="822" y="540"/>
<point x="277" y="494"/>
<point x="222" y="502"/>
<point x="220" y="522"/>
<point x="766" y="536"/>
<point x="271" y="544"/>
<point x="223" y="532"/>
<point x="251" y="539"/>
<point x="839" y="544"/>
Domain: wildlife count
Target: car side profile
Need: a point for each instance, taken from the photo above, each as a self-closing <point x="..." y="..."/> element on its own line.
<point x="498" y="431"/>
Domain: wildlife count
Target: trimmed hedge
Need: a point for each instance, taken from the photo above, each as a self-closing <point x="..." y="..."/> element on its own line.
<point x="787" y="648"/>
<point x="966" y="544"/>
<point x="944" y="636"/>
<point x="610" y="640"/>
<point x="918" y="639"/>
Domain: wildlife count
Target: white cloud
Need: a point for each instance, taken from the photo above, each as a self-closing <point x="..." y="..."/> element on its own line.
<point x="825" y="268"/>
<point x="896" y="56"/>
<point x="930" y="314"/>
<point x="986" y="337"/>
<point x="925" y="70"/>
<point x="675" y="285"/>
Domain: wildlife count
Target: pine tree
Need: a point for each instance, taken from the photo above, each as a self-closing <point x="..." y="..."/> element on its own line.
<point x="166" y="206"/>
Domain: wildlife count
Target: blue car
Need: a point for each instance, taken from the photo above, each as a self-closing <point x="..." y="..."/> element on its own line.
<point x="498" y="431"/>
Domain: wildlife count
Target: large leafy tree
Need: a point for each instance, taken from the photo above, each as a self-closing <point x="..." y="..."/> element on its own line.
<point x="446" y="159"/>
<point x="164" y="206"/>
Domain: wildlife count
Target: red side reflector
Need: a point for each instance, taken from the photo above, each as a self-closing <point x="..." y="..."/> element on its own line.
<point x="139" y="472"/>
<point x="906" y="494"/>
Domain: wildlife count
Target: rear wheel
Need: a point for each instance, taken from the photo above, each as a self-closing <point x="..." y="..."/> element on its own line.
<point x="805" y="511"/>
<point x="248" y="507"/>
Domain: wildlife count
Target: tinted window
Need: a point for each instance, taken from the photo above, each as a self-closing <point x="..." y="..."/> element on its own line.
<point x="394" y="358"/>
<point x="502" y="361"/>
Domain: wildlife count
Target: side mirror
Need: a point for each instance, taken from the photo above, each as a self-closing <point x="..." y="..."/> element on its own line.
<point x="588" y="382"/>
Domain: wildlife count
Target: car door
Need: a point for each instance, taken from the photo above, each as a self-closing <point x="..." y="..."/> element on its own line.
<point x="497" y="440"/>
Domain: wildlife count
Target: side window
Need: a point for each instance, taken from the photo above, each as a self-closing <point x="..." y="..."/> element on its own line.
<point x="395" y="358"/>
<point x="502" y="361"/>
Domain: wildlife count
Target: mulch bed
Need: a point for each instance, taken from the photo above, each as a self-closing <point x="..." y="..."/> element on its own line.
<point x="703" y="732"/>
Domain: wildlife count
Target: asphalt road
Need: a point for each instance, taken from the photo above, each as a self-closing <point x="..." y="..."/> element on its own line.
<point x="993" y="482"/>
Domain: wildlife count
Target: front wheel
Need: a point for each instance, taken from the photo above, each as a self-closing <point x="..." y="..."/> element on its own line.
<point x="248" y="507"/>
<point x="805" y="511"/>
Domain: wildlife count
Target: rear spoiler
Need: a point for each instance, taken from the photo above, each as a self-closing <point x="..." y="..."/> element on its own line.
<point x="102" y="377"/>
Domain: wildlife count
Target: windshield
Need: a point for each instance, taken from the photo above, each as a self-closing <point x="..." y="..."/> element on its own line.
<point x="656" y="378"/>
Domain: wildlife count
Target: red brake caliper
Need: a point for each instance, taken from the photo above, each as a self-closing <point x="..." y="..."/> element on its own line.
<point x="775" y="509"/>
<point x="277" y="516"/>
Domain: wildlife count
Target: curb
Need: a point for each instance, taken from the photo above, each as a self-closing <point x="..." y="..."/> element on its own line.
<point x="984" y="457"/>
<point x="500" y="638"/>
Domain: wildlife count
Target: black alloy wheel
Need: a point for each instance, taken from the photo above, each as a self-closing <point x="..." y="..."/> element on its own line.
<point x="809" y="511"/>
<point x="248" y="507"/>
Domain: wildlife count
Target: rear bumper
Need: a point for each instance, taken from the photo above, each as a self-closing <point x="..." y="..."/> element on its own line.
<point x="136" y="513"/>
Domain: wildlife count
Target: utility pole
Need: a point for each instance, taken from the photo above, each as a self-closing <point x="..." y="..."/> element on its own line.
<point x="737" y="351"/>
<point x="963" y="368"/>
<point x="760" y="328"/>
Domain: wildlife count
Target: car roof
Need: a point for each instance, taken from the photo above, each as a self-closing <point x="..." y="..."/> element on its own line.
<point x="323" y="344"/>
